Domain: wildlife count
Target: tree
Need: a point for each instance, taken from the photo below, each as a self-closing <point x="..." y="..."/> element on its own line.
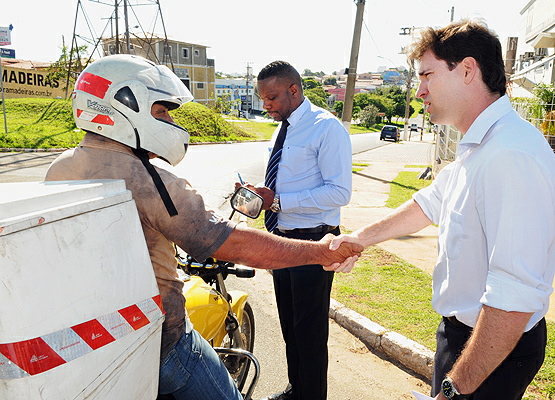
<point x="310" y="83"/>
<point x="308" y="72"/>
<point x="338" y="108"/>
<point x="546" y="95"/>
<point x="330" y="81"/>
<point x="59" y="70"/>
<point x="317" y="96"/>
<point x="356" y="112"/>
<point x="382" y="103"/>
<point x="224" y="104"/>
<point x="369" y="116"/>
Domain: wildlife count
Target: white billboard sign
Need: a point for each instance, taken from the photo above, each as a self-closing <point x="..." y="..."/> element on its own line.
<point x="5" y="36"/>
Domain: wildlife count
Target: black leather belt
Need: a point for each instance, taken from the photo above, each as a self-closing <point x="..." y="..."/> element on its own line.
<point x="454" y="321"/>
<point x="318" y="229"/>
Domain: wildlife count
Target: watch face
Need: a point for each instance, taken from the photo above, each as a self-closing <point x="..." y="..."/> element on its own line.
<point x="447" y="389"/>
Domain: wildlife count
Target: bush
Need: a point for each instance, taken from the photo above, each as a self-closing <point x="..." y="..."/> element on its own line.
<point x="369" y="116"/>
<point x="205" y="125"/>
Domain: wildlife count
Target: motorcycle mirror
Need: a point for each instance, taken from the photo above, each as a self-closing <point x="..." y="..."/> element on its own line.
<point x="247" y="202"/>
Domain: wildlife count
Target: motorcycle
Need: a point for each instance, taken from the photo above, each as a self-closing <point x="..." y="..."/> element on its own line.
<point x="224" y="318"/>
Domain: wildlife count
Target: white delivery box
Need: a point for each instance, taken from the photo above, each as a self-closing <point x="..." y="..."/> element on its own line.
<point x="80" y="311"/>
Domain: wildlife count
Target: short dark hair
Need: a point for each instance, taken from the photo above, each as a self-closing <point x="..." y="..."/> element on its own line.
<point x="280" y="70"/>
<point x="465" y="38"/>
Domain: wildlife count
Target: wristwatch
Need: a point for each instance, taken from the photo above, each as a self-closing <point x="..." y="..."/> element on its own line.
<point x="275" y="206"/>
<point x="449" y="390"/>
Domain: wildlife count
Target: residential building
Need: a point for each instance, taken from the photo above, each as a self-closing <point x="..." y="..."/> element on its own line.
<point x="189" y="61"/>
<point x="238" y="92"/>
<point x="534" y="61"/>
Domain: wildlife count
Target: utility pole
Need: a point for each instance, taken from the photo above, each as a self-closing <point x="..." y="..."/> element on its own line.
<point x="407" y="31"/>
<point x="249" y="72"/>
<point x="452" y="13"/>
<point x="352" y="73"/>
<point x="126" y="20"/>
<point x="407" y="103"/>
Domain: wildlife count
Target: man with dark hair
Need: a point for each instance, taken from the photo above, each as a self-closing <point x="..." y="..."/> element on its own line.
<point x="308" y="179"/>
<point x="494" y="208"/>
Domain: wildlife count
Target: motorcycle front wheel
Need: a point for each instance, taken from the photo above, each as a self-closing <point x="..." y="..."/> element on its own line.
<point x="237" y="366"/>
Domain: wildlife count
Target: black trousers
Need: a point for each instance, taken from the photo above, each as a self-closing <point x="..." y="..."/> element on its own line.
<point x="510" y="380"/>
<point x="303" y="301"/>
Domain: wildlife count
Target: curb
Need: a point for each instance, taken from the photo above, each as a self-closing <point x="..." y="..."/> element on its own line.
<point x="412" y="355"/>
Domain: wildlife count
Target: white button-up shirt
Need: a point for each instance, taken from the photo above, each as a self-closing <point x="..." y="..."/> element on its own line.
<point x="495" y="209"/>
<point x="314" y="177"/>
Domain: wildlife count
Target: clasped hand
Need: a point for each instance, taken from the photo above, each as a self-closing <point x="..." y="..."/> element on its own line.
<point x="336" y="243"/>
<point x="345" y="251"/>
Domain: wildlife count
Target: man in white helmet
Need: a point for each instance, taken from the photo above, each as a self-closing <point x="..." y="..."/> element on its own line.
<point x="122" y="103"/>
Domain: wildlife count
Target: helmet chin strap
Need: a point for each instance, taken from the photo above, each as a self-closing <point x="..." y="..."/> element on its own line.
<point x="142" y="154"/>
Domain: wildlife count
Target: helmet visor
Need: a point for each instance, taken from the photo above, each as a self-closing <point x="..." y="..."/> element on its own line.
<point x="164" y="85"/>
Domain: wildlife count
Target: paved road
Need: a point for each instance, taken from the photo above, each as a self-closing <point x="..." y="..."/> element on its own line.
<point x="212" y="169"/>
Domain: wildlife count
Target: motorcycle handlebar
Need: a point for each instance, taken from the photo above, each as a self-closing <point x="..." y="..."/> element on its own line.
<point x="215" y="266"/>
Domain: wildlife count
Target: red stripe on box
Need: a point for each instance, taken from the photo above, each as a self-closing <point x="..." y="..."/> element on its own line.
<point x="33" y="356"/>
<point x="134" y="316"/>
<point x="93" y="333"/>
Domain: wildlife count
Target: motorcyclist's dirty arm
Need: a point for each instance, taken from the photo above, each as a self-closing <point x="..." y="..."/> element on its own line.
<point x="260" y="249"/>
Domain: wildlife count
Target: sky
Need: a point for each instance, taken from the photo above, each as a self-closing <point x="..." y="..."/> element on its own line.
<point x="310" y="34"/>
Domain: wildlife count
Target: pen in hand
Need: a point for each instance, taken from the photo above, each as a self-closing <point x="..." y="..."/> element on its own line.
<point x="240" y="179"/>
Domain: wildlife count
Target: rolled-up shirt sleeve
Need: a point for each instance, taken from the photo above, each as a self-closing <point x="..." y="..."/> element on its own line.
<point x="518" y="222"/>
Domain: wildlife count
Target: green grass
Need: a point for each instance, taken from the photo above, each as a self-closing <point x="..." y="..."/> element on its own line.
<point x="356" y="129"/>
<point x="260" y="130"/>
<point x="404" y="186"/>
<point x="47" y="123"/>
<point x="357" y="167"/>
<point x="40" y="124"/>
<point x="264" y="130"/>
<point x="392" y="293"/>
<point x="543" y="385"/>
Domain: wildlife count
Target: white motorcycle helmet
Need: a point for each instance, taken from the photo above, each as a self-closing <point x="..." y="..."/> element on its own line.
<point x="113" y="97"/>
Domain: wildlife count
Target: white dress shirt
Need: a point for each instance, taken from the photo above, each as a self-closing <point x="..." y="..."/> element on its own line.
<point x="314" y="178"/>
<point x="495" y="209"/>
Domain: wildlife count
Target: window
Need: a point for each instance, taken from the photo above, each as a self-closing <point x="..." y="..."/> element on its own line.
<point x="185" y="52"/>
<point x="197" y="53"/>
<point x="200" y="85"/>
<point x="167" y="51"/>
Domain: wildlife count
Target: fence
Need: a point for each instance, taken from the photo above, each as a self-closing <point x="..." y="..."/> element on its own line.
<point x="539" y="114"/>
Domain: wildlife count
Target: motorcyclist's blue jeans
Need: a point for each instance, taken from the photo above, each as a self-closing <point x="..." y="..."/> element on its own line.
<point x="193" y="370"/>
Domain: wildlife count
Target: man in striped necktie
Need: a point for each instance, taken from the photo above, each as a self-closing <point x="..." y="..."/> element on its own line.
<point x="308" y="179"/>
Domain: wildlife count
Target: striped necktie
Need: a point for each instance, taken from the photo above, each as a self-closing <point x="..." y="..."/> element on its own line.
<point x="270" y="217"/>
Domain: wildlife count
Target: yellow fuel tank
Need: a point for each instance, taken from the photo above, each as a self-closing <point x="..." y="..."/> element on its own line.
<point x="207" y="309"/>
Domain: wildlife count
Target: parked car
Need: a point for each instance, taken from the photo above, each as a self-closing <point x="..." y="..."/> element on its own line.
<point x="414" y="127"/>
<point x="390" y="132"/>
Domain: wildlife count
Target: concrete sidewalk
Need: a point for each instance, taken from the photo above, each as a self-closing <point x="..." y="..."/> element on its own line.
<point x="371" y="190"/>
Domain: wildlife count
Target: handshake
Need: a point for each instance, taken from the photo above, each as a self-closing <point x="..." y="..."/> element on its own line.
<point x="342" y="252"/>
